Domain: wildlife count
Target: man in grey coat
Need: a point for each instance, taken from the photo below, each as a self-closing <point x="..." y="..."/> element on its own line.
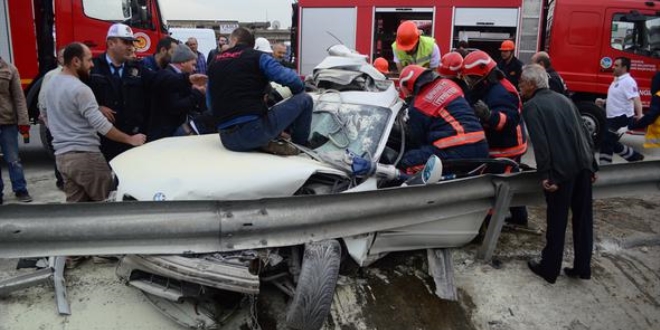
<point x="565" y="163"/>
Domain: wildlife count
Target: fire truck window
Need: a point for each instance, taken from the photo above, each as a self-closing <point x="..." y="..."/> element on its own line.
<point x="637" y="34"/>
<point x="115" y="10"/>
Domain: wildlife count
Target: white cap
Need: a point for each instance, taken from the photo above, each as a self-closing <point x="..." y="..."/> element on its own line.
<point x="263" y="45"/>
<point x="122" y="31"/>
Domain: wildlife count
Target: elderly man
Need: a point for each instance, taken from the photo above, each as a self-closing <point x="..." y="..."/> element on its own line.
<point x="566" y="166"/>
<point x="200" y="64"/>
<point x="555" y="81"/>
<point x="279" y="53"/>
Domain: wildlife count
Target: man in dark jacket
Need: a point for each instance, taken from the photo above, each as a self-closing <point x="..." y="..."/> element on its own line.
<point x="222" y="46"/>
<point x="555" y="82"/>
<point x="566" y="165"/>
<point x="161" y="58"/>
<point x="173" y="95"/>
<point x="120" y="86"/>
<point x="654" y="109"/>
<point x="509" y="64"/>
<point x="237" y="83"/>
<point x="441" y="121"/>
<point x="498" y="105"/>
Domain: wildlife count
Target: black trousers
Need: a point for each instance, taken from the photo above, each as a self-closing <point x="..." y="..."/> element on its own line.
<point x="576" y="194"/>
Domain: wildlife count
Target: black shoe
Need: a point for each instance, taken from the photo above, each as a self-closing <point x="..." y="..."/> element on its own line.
<point x="280" y="148"/>
<point x="637" y="157"/>
<point x="572" y="273"/>
<point x="535" y="267"/>
<point x="23" y="197"/>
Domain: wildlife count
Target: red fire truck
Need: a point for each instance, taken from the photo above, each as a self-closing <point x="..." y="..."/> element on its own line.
<point x="31" y="31"/>
<point x="583" y="37"/>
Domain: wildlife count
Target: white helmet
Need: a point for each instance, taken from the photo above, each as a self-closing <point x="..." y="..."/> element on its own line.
<point x="262" y="44"/>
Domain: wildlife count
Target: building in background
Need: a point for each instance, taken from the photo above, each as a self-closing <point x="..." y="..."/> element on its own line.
<point x="271" y="31"/>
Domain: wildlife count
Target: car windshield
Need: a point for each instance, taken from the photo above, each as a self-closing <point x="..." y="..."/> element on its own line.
<point x="357" y="128"/>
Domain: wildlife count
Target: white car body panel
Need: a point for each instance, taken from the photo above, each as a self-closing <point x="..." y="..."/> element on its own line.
<point x="200" y="168"/>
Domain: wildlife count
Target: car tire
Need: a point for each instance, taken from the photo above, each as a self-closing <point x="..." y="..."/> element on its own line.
<point x="312" y="299"/>
<point x="595" y="120"/>
<point x="32" y="99"/>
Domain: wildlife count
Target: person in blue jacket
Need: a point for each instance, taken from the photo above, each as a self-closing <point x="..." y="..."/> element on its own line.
<point x="654" y="109"/>
<point x="238" y="82"/>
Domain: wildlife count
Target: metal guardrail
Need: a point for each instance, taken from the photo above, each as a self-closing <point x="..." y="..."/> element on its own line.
<point x="186" y="227"/>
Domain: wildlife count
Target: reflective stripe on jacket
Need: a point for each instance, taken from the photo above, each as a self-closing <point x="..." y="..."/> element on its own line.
<point x="505" y="129"/>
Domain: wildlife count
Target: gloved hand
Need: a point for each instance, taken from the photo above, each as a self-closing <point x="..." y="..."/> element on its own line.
<point x="481" y="110"/>
<point x="24" y="129"/>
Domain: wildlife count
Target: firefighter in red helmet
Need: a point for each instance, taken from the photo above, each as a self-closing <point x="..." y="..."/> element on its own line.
<point x="441" y="121"/>
<point x="498" y="105"/>
<point x="450" y="67"/>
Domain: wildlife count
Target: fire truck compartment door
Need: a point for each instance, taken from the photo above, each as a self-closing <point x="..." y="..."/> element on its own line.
<point x="504" y="17"/>
<point x="317" y="30"/>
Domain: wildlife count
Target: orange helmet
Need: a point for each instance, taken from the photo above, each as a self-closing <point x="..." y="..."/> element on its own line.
<point x="478" y="63"/>
<point x="408" y="78"/>
<point x="381" y="65"/>
<point x="450" y="65"/>
<point x="407" y="36"/>
<point x="508" y="45"/>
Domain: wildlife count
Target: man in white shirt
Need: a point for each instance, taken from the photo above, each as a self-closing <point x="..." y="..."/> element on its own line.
<point x="622" y="105"/>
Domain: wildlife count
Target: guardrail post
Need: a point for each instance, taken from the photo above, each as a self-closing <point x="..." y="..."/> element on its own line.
<point x="503" y="195"/>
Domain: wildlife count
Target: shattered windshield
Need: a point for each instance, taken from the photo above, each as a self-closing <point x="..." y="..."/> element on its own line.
<point x="357" y="128"/>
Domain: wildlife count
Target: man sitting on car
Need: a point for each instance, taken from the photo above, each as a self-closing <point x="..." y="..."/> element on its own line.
<point x="238" y="80"/>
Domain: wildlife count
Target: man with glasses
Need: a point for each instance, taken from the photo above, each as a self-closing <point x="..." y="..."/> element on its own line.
<point x="120" y="87"/>
<point x="223" y="44"/>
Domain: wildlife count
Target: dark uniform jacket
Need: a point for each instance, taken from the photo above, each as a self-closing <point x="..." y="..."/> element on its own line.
<point x="654" y="109"/>
<point x="555" y="82"/>
<point x="127" y="96"/>
<point x="512" y="70"/>
<point x="172" y="100"/>
<point x="440" y="116"/>
<point x="505" y="130"/>
<point x="238" y="80"/>
<point x="562" y="144"/>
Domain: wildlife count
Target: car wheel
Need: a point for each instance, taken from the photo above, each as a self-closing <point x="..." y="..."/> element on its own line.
<point x="595" y="120"/>
<point x="316" y="286"/>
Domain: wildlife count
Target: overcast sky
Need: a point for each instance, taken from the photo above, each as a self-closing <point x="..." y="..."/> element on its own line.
<point x="241" y="10"/>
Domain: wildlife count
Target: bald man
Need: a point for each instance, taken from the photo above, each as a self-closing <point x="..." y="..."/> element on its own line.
<point x="554" y="79"/>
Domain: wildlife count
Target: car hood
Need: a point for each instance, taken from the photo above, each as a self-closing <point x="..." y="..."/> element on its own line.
<point x="200" y="168"/>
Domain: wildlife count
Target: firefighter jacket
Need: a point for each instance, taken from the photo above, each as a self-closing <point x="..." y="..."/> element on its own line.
<point x="127" y="95"/>
<point x="505" y="130"/>
<point x="440" y="116"/>
<point x="423" y="55"/>
<point x="238" y="79"/>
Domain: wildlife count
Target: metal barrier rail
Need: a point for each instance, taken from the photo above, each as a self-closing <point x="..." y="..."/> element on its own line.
<point x="186" y="227"/>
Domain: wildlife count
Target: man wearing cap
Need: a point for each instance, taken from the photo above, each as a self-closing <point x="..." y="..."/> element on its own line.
<point x="509" y="64"/>
<point x="120" y="86"/>
<point x="382" y="65"/>
<point x="411" y="47"/>
<point x="161" y="58"/>
<point x="175" y="97"/>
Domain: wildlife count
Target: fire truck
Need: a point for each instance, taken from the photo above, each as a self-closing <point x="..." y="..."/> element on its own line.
<point x="31" y="31"/>
<point x="583" y="37"/>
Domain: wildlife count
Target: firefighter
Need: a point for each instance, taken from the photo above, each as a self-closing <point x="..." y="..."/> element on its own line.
<point x="382" y="65"/>
<point x="509" y="64"/>
<point x="411" y="47"/>
<point x="441" y="121"/>
<point x="450" y="68"/>
<point x="498" y="106"/>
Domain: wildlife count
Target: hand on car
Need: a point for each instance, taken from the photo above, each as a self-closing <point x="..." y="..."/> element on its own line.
<point x="108" y="113"/>
<point x="137" y="140"/>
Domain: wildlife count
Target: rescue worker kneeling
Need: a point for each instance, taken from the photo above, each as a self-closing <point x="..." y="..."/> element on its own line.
<point x="441" y="121"/>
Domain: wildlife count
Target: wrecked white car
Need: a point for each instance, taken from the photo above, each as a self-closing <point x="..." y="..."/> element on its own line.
<point x="356" y="109"/>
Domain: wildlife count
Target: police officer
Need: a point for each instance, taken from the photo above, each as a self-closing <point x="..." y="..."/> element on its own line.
<point x="509" y="64"/>
<point x="120" y="87"/>
<point x="412" y="48"/>
<point x="441" y="121"/>
<point x="498" y="106"/>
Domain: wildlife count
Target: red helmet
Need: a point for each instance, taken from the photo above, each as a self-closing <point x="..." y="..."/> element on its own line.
<point x="478" y="63"/>
<point x="507" y="45"/>
<point x="450" y="65"/>
<point x="408" y="78"/>
<point x="407" y="36"/>
<point x="381" y="65"/>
